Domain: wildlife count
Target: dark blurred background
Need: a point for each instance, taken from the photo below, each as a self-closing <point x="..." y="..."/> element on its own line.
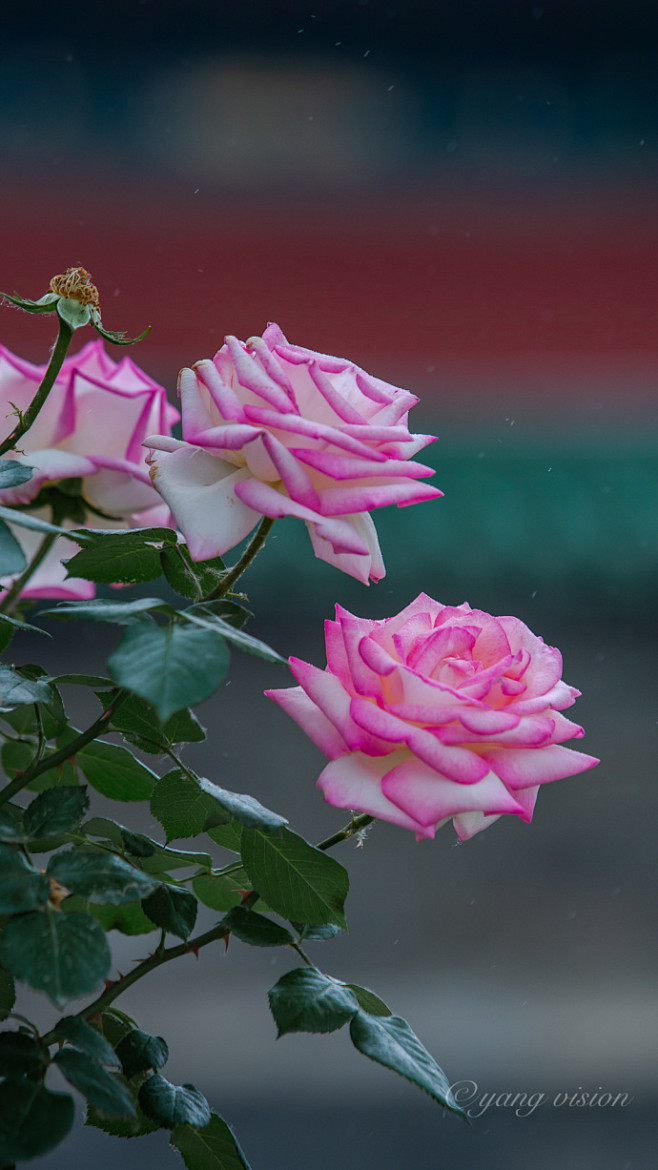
<point x="461" y="198"/>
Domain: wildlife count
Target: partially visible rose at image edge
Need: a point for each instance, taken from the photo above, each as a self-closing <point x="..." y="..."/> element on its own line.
<point x="439" y="712"/>
<point x="91" y="427"/>
<point x="273" y="429"/>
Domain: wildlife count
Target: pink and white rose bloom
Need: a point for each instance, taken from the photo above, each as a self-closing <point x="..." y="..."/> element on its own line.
<point x="273" y="429"/>
<point x="439" y="712"/>
<point x="92" y="426"/>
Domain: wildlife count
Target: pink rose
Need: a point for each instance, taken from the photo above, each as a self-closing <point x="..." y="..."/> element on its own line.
<point x="91" y="427"/>
<point x="439" y="712"/>
<point x="272" y="429"/>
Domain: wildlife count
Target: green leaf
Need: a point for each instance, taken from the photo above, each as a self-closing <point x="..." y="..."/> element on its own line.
<point x="180" y="805"/>
<point x="255" y="929"/>
<point x="100" y="876"/>
<point x="56" y="810"/>
<point x="211" y="1148"/>
<point x="369" y="1002"/>
<point x="155" y="858"/>
<point x="11" y="829"/>
<point x="87" y="1039"/>
<point x="83" y="680"/>
<point x="202" y="615"/>
<point x="164" y="860"/>
<point x="128" y="557"/>
<point x="32" y="1120"/>
<point x="99" y="1086"/>
<point x="231" y="611"/>
<point x="217" y="892"/>
<point x="21" y="886"/>
<point x="391" y="1042"/>
<point x="305" y="1000"/>
<point x="115" y="772"/>
<point x="15" y="689"/>
<point x="171" y="666"/>
<point x="139" y="723"/>
<point x="297" y="880"/>
<point x="122" y="613"/>
<point x="184" y="727"/>
<point x="316" y="933"/>
<point x="45" y="304"/>
<point x="129" y="919"/>
<point x="229" y="836"/>
<point x="16" y="757"/>
<point x="20" y="1055"/>
<point x="190" y="578"/>
<point x="12" y="557"/>
<point x="122" y="1126"/>
<point x="7" y="620"/>
<point x="7" y="992"/>
<point x="139" y="1051"/>
<point x="243" y="808"/>
<point x="172" y="909"/>
<point x="172" y="1105"/>
<point x="65" y="955"/>
<point x="120" y="337"/>
<point x="12" y="473"/>
<point x="27" y="520"/>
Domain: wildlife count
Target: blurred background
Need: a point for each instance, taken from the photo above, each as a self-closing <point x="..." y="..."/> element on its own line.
<point x="460" y="197"/>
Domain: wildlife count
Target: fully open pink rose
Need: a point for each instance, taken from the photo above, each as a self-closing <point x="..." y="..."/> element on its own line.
<point x="91" y="427"/>
<point x="439" y="712"/>
<point x="272" y="429"/>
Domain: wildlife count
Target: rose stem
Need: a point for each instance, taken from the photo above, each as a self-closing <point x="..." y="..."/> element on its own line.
<point x="25" y="421"/>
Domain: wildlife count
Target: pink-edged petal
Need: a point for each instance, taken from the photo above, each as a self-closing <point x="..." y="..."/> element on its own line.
<point x="336" y="501"/>
<point x="225" y="401"/>
<point x="49" y="465"/>
<point x="272" y="367"/>
<point x="485" y="722"/>
<point x="118" y="490"/>
<point x="458" y="764"/>
<point x="526" y="767"/>
<point x="354" y="782"/>
<point x="428" y="797"/>
<point x="559" y="697"/>
<point x="339" y="466"/>
<point x="335" y="396"/>
<point x="372" y="655"/>
<point x="324" y="734"/>
<point x="410" y="639"/>
<point x="200" y="489"/>
<point x="445" y="642"/>
<point x="531" y="731"/>
<point x="347" y="638"/>
<point x="312" y="430"/>
<point x="329" y="695"/>
<point x="292" y="474"/>
<point x="470" y="823"/>
<point x="253" y="378"/>
<point x="50" y="579"/>
<point x="527" y="798"/>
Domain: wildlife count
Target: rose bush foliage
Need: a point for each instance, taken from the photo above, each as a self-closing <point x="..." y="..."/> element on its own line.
<point x="439" y="712"/>
<point x="90" y="429"/>
<point x="272" y="429"/>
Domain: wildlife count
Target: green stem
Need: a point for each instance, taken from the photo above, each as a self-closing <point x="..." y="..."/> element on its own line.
<point x="64" y="339"/>
<point x="192" y="945"/>
<point x="144" y="968"/>
<point x="14" y="592"/>
<point x="355" y="826"/>
<point x="63" y="754"/>
<point x="254" y="547"/>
